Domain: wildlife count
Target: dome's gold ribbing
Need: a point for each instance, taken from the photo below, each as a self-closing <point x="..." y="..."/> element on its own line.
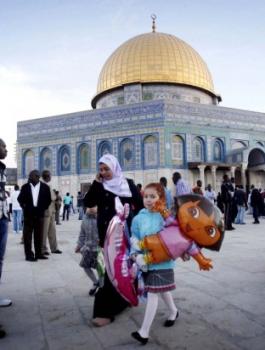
<point x="158" y="58"/>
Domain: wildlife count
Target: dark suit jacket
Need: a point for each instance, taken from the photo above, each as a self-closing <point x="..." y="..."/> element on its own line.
<point x="25" y="200"/>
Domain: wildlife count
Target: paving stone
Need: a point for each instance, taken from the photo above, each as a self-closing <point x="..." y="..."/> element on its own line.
<point x="234" y="322"/>
<point x="221" y="309"/>
<point x="255" y="343"/>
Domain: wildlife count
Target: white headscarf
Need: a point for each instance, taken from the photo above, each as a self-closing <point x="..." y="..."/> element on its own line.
<point x="118" y="184"/>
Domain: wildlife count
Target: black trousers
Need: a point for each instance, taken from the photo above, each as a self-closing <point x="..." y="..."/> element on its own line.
<point x="33" y="226"/>
<point x="108" y="302"/>
<point x="66" y="210"/>
<point x="228" y="216"/>
<point x="256" y="213"/>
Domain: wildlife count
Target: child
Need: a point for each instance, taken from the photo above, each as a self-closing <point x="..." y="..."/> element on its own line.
<point x="87" y="245"/>
<point x="159" y="278"/>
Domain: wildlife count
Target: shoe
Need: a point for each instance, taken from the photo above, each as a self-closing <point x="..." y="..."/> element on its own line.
<point x="101" y="322"/>
<point x="170" y="323"/>
<point x="137" y="336"/>
<point x="242" y="223"/>
<point x="31" y="258"/>
<point x="2" y="333"/>
<point x="256" y="222"/>
<point x="5" y="302"/>
<point x="42" y="257"/>
<point x="57" y="251"/>
<point x="46" y="253"/>
<point x="93" y="290"/>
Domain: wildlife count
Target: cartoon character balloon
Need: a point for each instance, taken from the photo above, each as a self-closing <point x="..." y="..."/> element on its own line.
<point x="200" y="220"/>
<point x="199" y="225"/>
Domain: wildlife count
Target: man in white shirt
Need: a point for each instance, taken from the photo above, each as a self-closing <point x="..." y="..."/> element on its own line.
<point x="34" y="198"/>
<point x="16" y="210"/>
<point x="210" y="194"/>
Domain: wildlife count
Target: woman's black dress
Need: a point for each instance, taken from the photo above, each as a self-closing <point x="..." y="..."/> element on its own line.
<point x="108" y="302"/>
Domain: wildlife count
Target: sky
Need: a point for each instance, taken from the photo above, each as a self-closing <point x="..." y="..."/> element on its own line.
<point x="52" y="51"/>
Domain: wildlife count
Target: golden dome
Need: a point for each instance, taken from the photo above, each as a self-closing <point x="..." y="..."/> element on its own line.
<point x="154" y="58"/>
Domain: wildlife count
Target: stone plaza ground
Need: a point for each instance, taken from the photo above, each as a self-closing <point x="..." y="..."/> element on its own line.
<point x="220" y="309"/>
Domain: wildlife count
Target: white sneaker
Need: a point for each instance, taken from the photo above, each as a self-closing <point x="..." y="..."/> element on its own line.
<point x="5" y="302"/>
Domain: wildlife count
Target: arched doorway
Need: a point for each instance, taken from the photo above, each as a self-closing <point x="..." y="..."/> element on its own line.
<point x="256" y="168"/>
<point x="256" y="157"/>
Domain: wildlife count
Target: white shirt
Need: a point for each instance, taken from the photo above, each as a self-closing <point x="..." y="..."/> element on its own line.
<point x="210" y="195"/>
<point x="14" y="201"/>
<point x="8" y="200"/>
<point x="35" y="193"/>
<point x="182" y="188"/>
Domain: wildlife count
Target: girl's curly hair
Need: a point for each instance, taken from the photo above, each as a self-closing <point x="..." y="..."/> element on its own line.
<point x="160" y="205"/>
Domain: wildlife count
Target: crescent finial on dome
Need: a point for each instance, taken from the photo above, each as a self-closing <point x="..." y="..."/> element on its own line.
<point x="153" y="16"/>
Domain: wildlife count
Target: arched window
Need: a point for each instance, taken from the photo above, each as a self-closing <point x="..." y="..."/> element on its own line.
<point x="126" y="153"/>
<point x="177" y="150"/>
<point x="29" y="162"/>
<point x="83" y="158"/>
<point x="46" y="159"/>
<point x="64" y="159"/>
<point x="150" y="146"/>
<point x="260" y="143"/>
<point x="104" y="148"/>
<point x="238" y="145"/>
<point x="218" y="151"/>
<point x="198" y="149"/>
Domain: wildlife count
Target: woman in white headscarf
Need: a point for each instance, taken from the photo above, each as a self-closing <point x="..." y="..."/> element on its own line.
<point x="110" y="183"/>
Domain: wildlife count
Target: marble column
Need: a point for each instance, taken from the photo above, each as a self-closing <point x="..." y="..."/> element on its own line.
<point x="233" y="171"/>
<point x="243" y="175"/>
<point x="202" y="176"/>
<point x="213" y="171"/>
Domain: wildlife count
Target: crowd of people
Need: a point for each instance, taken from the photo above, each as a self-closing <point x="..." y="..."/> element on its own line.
<point x="234" y="202"/>
<point x="36" y="210"/>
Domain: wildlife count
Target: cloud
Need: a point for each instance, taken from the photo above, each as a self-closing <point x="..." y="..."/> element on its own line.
<point x="21" y="99"/>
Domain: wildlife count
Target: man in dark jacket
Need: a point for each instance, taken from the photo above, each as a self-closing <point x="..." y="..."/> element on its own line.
<point x="227" y="190"/>
<point x="34" y="199"/>
<point x="256" y="203"/>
